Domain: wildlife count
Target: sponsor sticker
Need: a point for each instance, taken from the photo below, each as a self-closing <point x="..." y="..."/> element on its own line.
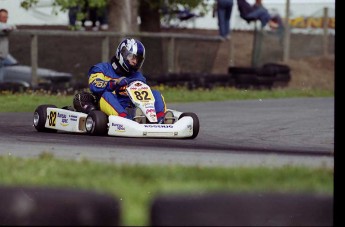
<point x="64" y="122"/>
<point x="118" y="127"/>
<point x="73" y="117"/>
<point x="158" y="126"/>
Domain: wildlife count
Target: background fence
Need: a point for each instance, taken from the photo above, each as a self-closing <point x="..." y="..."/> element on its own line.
<point x="167" y="53"/>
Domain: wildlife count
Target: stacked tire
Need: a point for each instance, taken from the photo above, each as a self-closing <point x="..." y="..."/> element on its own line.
<point x="281" y="73"/>
<point x="266" y="76"/>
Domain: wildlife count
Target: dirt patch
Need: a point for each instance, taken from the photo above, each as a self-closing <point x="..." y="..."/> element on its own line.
<point x="313" y="73"/>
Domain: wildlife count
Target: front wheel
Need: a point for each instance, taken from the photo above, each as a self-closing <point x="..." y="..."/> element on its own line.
<point x="96" y="123"/>
<point x="40" y="117"/>
<point x="196" y="124"/>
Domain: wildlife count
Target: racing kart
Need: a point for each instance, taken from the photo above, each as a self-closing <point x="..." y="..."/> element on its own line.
<point x="49" y="118"/>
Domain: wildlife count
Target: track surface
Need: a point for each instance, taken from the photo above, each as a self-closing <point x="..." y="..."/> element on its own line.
<point x="270" y="132"/>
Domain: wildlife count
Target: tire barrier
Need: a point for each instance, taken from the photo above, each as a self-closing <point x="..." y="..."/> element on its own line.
<point x="53" y="207"/>
<point x="56" y="207"/>
<point x="242" y="209"/>
<point x="194" y="80"/>
<point x="266" y="76"/>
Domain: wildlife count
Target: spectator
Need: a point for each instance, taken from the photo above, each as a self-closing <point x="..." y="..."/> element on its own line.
<point x="98" y="16"/>
<point x="224" y="10"/>
<point x="72" y="16"/>
<point x="5" y="30"/>
<point x="95" y="14"/>
<point x="258" y="12"/>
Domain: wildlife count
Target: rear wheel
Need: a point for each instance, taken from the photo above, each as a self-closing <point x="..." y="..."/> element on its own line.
<point x="40" y="117"/>
<point x="96" y="123"/>
<point x="196" y="124"/>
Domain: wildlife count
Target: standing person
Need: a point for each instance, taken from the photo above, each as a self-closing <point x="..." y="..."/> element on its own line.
<point x="98" y="14"/>
<point x="108" y="82"/>
<point x="258" y="12"/>
<point x="5" y="30"/>
<point x="103" y="17"/>
<point x="224" y="10"/>
<point x="72" y="17"/>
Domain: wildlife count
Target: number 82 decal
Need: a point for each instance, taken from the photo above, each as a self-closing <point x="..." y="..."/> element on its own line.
<point x="142" y="95"/>
<point x="52" y="118"/>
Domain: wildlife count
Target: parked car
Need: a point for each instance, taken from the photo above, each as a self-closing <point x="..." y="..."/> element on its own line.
<point x="19" y="76"/>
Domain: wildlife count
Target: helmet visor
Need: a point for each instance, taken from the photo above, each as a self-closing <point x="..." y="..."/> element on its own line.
<point x="134" y="61"/>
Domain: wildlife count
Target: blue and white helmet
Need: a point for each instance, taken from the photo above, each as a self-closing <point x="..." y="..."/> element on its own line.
<point x="130" y="55"/>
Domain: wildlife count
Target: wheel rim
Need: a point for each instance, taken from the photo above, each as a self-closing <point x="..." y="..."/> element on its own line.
<point x="89" y="124"/>
<point x="36" y="118"/>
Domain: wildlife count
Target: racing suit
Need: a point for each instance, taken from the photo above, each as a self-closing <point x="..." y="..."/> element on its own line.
<point x="113" y="100"/>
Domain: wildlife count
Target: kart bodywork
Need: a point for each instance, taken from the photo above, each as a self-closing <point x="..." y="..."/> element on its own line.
<point x="49" y="118"/>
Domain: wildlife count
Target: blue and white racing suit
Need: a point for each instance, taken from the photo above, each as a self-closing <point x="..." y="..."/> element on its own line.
<point x="113" y="101"/>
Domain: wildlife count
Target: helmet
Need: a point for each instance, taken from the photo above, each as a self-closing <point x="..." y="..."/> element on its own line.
<point x="129" y="55"/>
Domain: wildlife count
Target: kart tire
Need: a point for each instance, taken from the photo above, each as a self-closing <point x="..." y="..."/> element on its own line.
<point x="196" y="124"/>
<point x="40" y="117"/>
<point x="96" y="123"/>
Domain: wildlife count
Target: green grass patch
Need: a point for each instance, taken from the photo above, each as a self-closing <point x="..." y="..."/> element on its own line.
<point x="180" y="94"/>
<point x="135" y="186"/>
<point x="27" y="102"/>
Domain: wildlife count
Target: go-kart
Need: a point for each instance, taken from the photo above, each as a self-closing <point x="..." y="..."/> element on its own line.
<point x="49" y="118"/>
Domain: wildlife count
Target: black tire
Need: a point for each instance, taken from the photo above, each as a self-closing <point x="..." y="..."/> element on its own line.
<point x="40" y="118"/>
<point x="242" y="70"/>
<point x="276" y="68"/>
<point x="97" y="123"/>
<point x="283" y="77"/>
<point x="196" y="124"/>
<point x="57" y="206"/>
<point x="265" y="72"/>
<point x="245" y="81"/>
<point x="264" y="82"/>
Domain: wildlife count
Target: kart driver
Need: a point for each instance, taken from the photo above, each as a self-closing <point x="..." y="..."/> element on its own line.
<point x="108" y="81"/>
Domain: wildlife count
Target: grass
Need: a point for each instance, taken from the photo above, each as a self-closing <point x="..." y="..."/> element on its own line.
<point x="27" y="102"/>
<point x="136" y="185"/>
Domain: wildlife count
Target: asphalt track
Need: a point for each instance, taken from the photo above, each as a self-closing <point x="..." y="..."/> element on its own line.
<point x="272" y="132"/>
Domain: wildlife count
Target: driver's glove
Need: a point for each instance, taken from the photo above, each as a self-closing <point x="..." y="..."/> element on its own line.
<point x="117" y="83"/>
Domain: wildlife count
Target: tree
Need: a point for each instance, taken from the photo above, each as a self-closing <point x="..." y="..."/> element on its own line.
<point x="152" y="11"/>
<point x="149" y="16"/>
<point x="123" y="14"/>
